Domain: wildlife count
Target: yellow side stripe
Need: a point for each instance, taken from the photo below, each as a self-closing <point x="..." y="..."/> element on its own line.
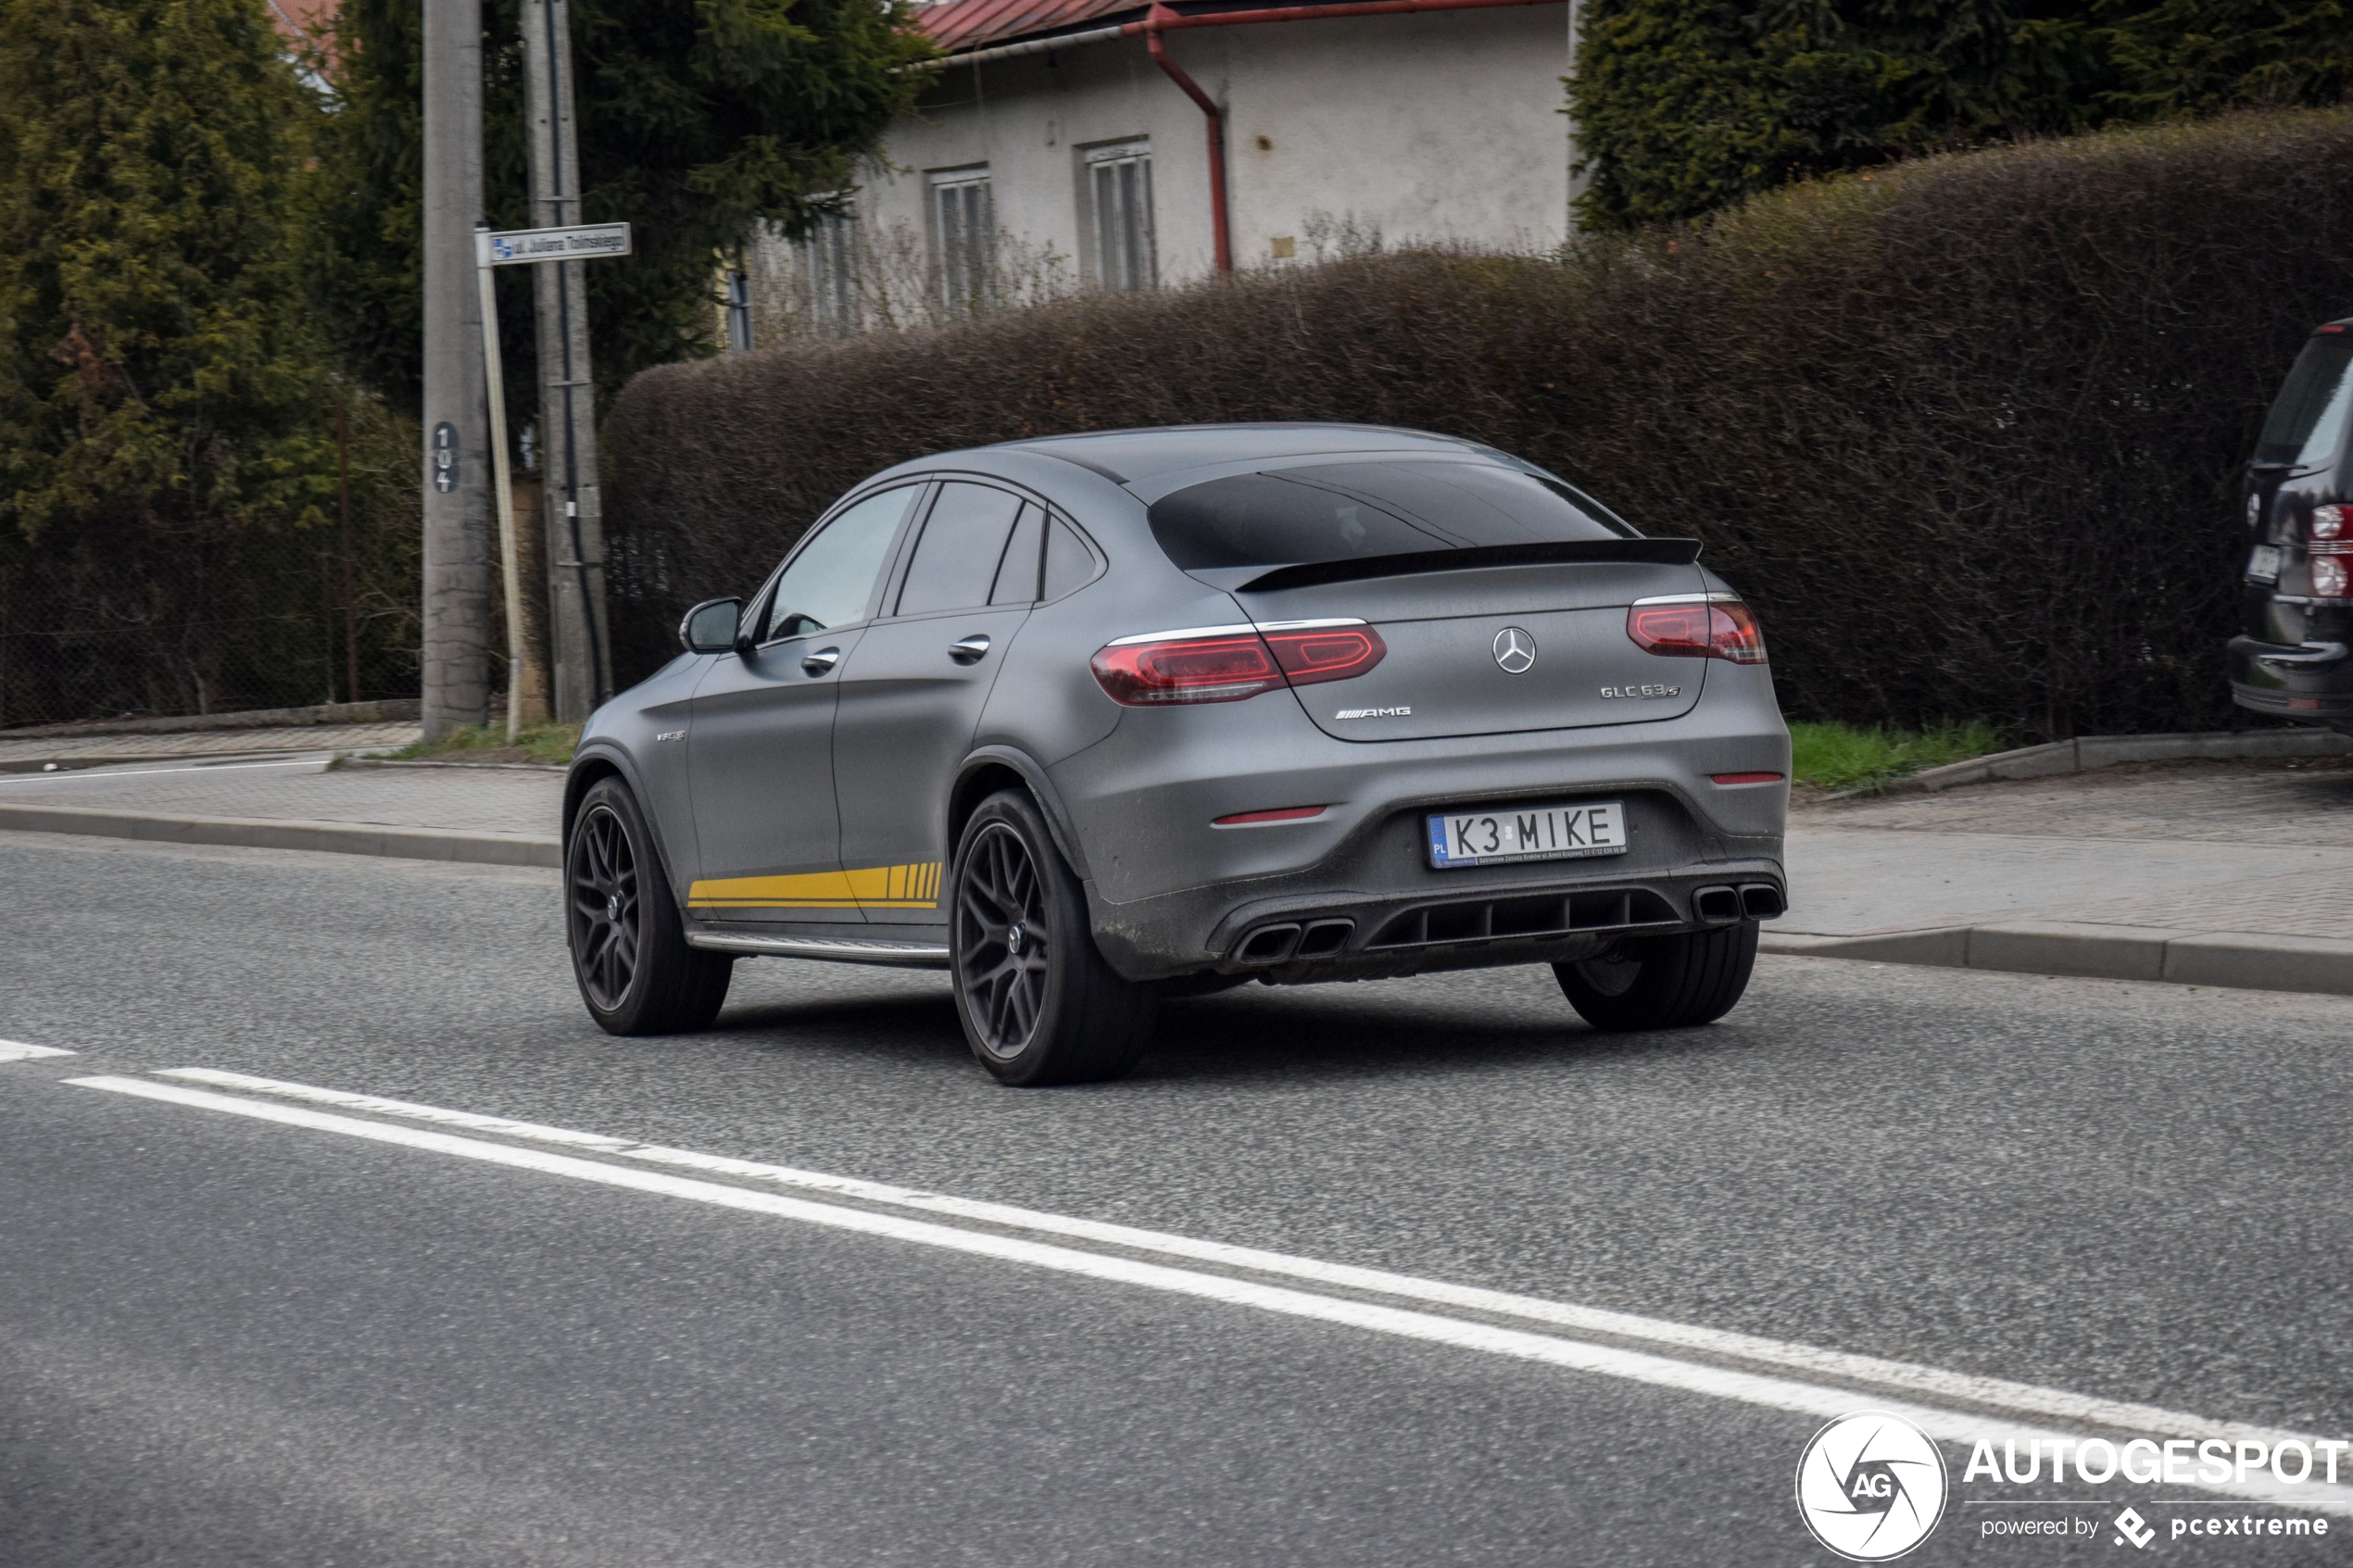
<point x="912" y="886"/>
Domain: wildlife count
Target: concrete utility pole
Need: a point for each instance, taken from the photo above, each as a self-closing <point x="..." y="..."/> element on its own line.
<point x="457" y="586"/>
<point x="576" y="528"/>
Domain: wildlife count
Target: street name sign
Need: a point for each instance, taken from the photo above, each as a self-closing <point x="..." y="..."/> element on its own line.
<point x="579" y="243"/>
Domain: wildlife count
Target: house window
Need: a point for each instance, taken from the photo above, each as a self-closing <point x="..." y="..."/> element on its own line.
<point x="1119" y="180"/>
<point x="829" y="256"/>
<point x="964" y="226"/>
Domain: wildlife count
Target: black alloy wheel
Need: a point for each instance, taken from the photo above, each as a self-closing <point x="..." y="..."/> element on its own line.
<point x="1037" y="1000"/>
<point x="603" y="874"/>
<point x="636" y="971"/>
<point x="1004" y="950"/>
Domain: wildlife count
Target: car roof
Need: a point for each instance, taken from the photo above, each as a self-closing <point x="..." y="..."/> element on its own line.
<point x="1130" y="454"/>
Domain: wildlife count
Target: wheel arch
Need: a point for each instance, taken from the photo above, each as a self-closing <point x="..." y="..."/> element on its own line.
<point x="998" y="767"/>
<point x="599" y="763"/>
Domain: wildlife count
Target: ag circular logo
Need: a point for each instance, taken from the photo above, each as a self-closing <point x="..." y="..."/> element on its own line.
<point x="1515" y="650"/>
<point x="1870" y="1486"/>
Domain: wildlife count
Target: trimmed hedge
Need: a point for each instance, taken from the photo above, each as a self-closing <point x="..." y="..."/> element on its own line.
<point x="1965" y="431"/>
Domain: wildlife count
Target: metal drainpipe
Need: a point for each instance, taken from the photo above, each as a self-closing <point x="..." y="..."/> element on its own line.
<point x="1219" y="230"/>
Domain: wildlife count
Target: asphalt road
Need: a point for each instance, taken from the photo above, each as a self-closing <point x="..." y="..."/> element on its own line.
<point x="226" y="1340"/>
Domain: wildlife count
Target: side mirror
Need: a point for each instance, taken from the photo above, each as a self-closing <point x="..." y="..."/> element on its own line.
<point x="710" y="626"/>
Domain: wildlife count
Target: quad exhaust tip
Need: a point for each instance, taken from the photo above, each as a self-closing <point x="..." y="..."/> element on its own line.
<point x="1275" y="944"/>
<point x="1717" y="905"/>
<point x="1722" y="905"/>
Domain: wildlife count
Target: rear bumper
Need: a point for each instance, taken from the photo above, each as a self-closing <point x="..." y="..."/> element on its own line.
<point x="1171" y="894"/>
<point x="2311" y="681"/>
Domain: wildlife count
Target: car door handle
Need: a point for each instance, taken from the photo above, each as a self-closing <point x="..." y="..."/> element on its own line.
<point x="970" y="651"/>
<point x="820" y="662"/>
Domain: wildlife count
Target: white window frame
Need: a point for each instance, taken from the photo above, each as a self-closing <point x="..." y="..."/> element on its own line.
<point x="1119" y="201"/>
<point x="829" y="263"/>
<point x="962" y="207"/>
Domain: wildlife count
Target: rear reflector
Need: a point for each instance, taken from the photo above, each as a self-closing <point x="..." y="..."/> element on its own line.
<point x="1284" y="814"/>
<point x="1744" y="778"/>
<point x="1714" y="626"/>
<point x="1230" y="665"/>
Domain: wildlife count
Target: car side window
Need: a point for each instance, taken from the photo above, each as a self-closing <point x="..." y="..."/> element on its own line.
<point x="831" y="579"/>
<point x="1069" y="565"/>
<point x="964" y="543"/>
<point x="1017" y="573"/>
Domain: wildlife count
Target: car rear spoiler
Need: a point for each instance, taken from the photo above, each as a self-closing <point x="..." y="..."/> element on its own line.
<point x="1654" y="552"/>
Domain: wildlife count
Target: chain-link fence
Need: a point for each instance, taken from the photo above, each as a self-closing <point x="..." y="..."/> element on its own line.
<point x="284" y="661"/>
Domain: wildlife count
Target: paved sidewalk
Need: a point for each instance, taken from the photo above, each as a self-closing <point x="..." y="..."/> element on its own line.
<point x="507" y="816"/>
<point x="2224" y="873"/>
<point x="2209" y="872"/>
<point x="31" y="753"/>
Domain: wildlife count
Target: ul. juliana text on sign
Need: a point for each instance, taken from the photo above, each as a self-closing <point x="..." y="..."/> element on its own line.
<point x="586" y="240"/>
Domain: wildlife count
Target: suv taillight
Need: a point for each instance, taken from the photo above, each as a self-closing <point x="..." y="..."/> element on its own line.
<point x="2328" y="541"/>
<point x="1229" y="666"/>
<point x="1718" y="626"/>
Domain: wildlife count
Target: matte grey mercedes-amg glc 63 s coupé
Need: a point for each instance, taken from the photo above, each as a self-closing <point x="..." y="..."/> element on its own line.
<point x="1094" y="719"/>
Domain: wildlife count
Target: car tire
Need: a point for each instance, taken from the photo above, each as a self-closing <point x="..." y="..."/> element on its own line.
<point x="628" y="941"/>
<point x="1038" y="1002"/>
<point x="1661" y="982"/>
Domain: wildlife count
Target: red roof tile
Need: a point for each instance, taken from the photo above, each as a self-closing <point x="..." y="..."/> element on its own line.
<point x="957" y="25"/>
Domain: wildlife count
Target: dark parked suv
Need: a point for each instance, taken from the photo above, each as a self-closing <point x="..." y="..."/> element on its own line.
<point x="2291" y="659"/>
<point x="1091" y="721"/>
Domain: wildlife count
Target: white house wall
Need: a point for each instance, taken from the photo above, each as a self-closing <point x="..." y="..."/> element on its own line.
<point x="1436" y="126"/>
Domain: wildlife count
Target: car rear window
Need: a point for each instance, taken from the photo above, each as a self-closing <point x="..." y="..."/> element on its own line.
<point x="2307" y="425"/>
<point x="1340" y="511"/>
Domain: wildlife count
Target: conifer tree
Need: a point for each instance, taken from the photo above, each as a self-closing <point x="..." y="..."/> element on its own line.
<point x="163" y="423"/>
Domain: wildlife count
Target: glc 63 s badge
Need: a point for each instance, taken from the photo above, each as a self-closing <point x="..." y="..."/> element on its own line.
<point x="1642" y="691"/>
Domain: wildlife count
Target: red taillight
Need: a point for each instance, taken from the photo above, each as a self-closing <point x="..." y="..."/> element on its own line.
<point x="1697" y="629"/>
<point x="1744" y="778"/>
<point x="1326" y="653"/>
<point x="1228" y="666"/>
<point x="1224" y="669"/>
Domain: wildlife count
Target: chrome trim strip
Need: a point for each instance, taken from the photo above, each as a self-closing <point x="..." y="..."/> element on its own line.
<point x="1712" y="598"/>
<point x="1246" y="626"/>
<point x="910" y="955"/>
<point x="1181" y="632"/>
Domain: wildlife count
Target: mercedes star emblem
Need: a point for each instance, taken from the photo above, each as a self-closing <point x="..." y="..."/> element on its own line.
<point x="1515" y="650"/>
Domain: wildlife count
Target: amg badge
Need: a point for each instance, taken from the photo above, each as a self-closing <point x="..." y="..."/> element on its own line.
<point x="1374" y="713"/>
<point x="1642" y="691"/>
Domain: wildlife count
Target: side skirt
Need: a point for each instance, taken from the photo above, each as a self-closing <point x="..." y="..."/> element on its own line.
<point x="908" y="947"/>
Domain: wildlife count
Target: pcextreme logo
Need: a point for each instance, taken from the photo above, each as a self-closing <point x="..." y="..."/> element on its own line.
<point x="1870" y="1486"/>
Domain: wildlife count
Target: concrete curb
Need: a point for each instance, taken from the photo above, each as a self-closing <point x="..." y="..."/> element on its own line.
<point x="394" y="710"/>
<point x="2086" y="752"/>
<point x="335" y="838"/>
<point x="2232" y="960"/>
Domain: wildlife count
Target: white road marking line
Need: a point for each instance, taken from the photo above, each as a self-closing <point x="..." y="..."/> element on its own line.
<point x="1773" y="1393"/>
<point x="1919" y="1382"/>
<point x="16" y="1050"/>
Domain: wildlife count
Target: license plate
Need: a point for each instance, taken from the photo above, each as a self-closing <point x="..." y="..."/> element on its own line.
<point x="1529" y="833"/>
<point x="2263" y="564"/>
